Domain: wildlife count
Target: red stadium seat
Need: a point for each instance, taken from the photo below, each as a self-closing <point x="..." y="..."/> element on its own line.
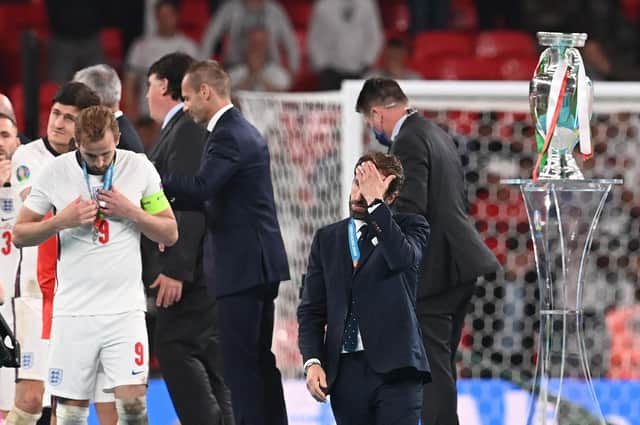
<point x="194" y="18"/>
<point x="518" y="68"/>
<point x="47" y="92"/>
<point x="461" y="69"/>
<point x="430" y="46"/>
<point x="499" y="43"/>
<point x="111" y="40"/>
<point x="299" y="13"/>
<point x="395" y="15"/>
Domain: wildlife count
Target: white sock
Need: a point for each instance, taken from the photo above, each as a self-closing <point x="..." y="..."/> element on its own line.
<point x="17" y="416"/>
<point x="71" y="415"/>
<point x="132" y="411"/>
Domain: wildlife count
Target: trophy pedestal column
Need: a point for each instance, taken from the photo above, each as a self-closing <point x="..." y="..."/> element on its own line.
<point x="563" y="215"/>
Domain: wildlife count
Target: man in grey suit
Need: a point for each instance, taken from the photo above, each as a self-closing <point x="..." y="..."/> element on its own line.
<point x="455" y="256"/>
<point x="186" y="334"/>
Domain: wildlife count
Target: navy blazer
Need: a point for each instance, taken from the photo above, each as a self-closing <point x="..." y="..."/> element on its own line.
<point x="243" y="246"/>
<point x="384" y="289"/>
<point x="129" y="138"/>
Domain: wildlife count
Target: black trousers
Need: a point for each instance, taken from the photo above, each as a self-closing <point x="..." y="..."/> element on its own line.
<point x="246" y="327"/>
<point x="360" y="396"/>
<point x="188" y="348"/>
<point x="441" y="332"/>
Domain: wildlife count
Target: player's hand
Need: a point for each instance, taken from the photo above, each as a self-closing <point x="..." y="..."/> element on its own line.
<point x="317" y="382"/>
<point x="5" y="170"/>
<point x="372" y="184"/>
<point x="78" y="213"/>
<point x="115" y="204"/>
<point x="169" y="290"/>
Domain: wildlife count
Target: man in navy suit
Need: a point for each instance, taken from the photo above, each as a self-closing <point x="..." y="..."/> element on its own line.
<point x="358" y="331"/>
<point x="244" y="255"/>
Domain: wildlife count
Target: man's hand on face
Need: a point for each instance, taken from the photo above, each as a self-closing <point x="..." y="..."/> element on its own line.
<point x="372" y="184"/>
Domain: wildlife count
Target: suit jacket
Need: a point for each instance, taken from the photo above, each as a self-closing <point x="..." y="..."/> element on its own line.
<point x="179" y="149"/>
<point x="129" y="138"/>
<point x="383" y="287"/>
<point x="243" y="245"/>
<point x="434" y="187"/>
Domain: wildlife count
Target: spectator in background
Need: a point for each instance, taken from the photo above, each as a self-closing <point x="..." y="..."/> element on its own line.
<point x="74" y="41"/>
<point x="236" y="17"/>
<point x="610" y="52"/>
<point x="394" y="61"/>
<point x="104" y="81"/>
<point x="345" y="38"/>
<point x="429" y="15"/>
<point x="145" y="51"/>
<point x="258" y="73"/>
<point x="7" y="108"/>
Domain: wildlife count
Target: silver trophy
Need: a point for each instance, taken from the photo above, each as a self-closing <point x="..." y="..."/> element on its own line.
<point x="560" y="97"/>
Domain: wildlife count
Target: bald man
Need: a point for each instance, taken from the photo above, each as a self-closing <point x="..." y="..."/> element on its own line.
<point x="7" y="108"/>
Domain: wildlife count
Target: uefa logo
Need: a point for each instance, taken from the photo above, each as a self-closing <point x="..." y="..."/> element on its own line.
<point x="55" y="377"/>
<point x="23" y="173"/>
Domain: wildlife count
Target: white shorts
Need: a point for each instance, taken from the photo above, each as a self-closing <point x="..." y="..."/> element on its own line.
<point x="7" y="374"/>
<point x="80" y="344"/>
<point x="28" y="327"/>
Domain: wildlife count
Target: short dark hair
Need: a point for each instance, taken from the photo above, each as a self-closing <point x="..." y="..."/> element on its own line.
<point x="172" y="67"/>
<point x="379" y="91"/>
<point x="76" y="94"/>
<point x="387" y="164"/>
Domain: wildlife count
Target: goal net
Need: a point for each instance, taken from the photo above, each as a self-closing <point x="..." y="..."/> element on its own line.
<point x="315" y="140"/>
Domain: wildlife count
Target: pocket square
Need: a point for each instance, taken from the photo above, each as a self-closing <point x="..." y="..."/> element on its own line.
<point x="374" y="241"/>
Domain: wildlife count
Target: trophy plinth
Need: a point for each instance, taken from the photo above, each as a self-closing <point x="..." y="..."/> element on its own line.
<point x="563" y="215"/>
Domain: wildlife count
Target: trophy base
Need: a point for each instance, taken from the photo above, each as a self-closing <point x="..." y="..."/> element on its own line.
<point x="560" y="165"/>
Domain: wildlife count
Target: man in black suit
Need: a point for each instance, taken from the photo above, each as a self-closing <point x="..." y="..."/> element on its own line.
<point x="244" y="255"/>
<point x="104" y="80"/>
<point x="186" y="335"/>
<point x="456" y="255"/>
<point x="358" y="331"/>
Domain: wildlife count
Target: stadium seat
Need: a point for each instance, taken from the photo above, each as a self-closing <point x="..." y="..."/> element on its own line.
<point x="499" y="43"/>
<point x="194" y="18"/>
<point x="46" y="93"/>
<point x="430" y="46"/>
<point x="461" y="69"/>
<point x="395" y="16"/>
<point x="517" y="68"/>
<point x="111" y="40"/>
<point x="299" y="13"/>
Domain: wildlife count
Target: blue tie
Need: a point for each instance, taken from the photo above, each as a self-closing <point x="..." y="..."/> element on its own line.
<point x="350" y="335"/>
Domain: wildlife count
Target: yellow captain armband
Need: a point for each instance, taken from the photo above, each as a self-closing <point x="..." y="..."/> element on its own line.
<point x="156" y="203"/>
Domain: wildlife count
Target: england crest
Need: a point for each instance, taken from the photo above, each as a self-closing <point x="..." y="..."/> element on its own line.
<point x="6" y="205"/>
<point x="27" y="361"/>
<point x="55" y="377"/>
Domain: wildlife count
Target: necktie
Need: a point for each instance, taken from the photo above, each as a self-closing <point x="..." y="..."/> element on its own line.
<point x="350" y="335"/>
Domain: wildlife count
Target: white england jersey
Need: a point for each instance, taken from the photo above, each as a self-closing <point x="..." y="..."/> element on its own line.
<point x="9" y="255"/>
<point x="103" y="275"/>
<point x="26" y="164"/>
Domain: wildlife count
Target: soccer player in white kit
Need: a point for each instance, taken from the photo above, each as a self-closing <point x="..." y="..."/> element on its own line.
<point x="98" y="311"/>
<point x="10" y="203"/>
<point x="33" y="297"/>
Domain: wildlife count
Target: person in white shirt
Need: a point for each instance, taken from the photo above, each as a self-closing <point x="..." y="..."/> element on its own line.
<point x="33" y="296"/>
<point x="104" y="199"/>
<point x="9" y="255"/>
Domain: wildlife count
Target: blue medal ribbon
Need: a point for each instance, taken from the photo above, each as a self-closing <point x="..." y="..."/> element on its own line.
<point x="353" y="243"/>
<point x="106" y="183"/>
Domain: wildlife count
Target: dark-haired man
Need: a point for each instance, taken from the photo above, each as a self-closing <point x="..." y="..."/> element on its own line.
<point x="359" y="334"/>
<point x="455" y="256"/>
<point x="186" y="335"/>
<point x="34" y="297"/>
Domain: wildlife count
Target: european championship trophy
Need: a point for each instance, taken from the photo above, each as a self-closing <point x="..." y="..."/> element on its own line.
<point x="563" y="210"/>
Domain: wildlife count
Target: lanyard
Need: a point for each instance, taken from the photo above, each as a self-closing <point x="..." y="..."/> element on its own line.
<point x="353" y="243"/>
<point x="107" y="182"/>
